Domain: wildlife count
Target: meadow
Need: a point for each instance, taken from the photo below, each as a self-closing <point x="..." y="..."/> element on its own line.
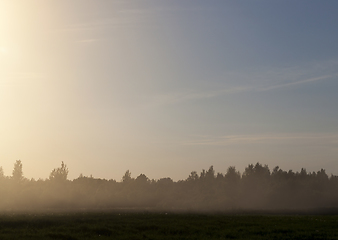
<point x="165" y="225"/>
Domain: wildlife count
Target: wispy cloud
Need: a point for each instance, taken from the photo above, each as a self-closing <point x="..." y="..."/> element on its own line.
<point x="284" y="85"/>
<point x="173" y="98"/>
<point x="100" y="23"/>
<point x="177" y="97"/>
<point x="123" y="18"/>
<point x="318" y="139"/>
<point x="260" y="81"/>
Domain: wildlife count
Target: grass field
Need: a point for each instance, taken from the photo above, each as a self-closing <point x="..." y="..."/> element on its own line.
<point x="126" y="225"/>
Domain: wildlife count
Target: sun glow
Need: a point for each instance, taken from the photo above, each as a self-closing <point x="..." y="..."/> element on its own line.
<point x="3" y="50"/>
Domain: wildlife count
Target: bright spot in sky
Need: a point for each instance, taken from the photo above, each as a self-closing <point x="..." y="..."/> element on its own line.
<point x="3" y="50"/>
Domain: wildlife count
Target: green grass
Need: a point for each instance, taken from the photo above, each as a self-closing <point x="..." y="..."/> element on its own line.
<point x="126" y="225"/>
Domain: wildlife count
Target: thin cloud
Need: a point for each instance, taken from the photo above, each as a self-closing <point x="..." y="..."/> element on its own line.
<point x="167" y="99"/>
<point x="122" y="19"/>
<point x="261" y="81"/>
<point x="278" y="138"/>
<point x="174" y="98"/>
<point x="103" y="23"/>
<point x="296" y="83"/>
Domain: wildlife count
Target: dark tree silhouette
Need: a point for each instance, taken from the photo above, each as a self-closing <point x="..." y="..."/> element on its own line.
<point x="142" y="179"/>
<point x="232" y="175"/>
<point x="193" y="176"/>
<point x="59" y="174"/>
<point x="256" y="189"/>
<point x="2" y="175"/>
<point x="17" y="174"/>
<point x="127" y="177"/>
<point x="210" y="174"/>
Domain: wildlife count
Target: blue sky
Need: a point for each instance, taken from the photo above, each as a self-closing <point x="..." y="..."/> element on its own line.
<point x="167" y="87"/>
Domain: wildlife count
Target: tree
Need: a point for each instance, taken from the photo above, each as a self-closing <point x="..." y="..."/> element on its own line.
<point x="232" y="175"/>
<point x="210" y="174"/>
<point x="202" y="175"/>
<point x="193" y="176"/>
<point x="142" y="179"/>
<point x="322" y="176"/>
<point x="17" y="174"/>
<point x="2" y="175"/>
<point x="257" y="172"/>
<point x="165" y="181"/>
<point x="127" y="177"/>
<point x="59" y="174"/>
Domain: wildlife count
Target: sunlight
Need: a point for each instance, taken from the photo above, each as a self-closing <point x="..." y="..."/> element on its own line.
<point x="3" y="50"/>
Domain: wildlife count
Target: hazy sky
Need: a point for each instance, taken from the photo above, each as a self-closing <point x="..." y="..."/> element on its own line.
<point x="167" y="87"/>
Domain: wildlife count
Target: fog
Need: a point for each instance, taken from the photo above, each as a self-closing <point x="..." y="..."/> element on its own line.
<point x="256" y="189"/>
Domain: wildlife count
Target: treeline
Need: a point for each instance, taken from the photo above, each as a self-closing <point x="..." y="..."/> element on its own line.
<point x="257" y="188"/>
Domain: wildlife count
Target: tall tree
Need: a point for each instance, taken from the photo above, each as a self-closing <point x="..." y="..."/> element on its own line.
<point x="59" y="174"/>
<point x="232" y="175"/>
<point x="210" y="174"/>
<point x="127" y="177"/>
<point x="2" y="175"/>
<point x="17" y="174"/>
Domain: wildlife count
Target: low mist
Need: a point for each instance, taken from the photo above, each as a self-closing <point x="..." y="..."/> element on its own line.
<point x="256" y="189"/>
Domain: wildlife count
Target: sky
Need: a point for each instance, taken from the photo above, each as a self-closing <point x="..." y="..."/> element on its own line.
<point x="164" y="88"/>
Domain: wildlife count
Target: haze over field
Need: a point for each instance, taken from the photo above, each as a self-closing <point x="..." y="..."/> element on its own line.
<point x="167" y="87"/>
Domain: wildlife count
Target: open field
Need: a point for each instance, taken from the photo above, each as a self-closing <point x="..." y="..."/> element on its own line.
<point x="126" y="225"/>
